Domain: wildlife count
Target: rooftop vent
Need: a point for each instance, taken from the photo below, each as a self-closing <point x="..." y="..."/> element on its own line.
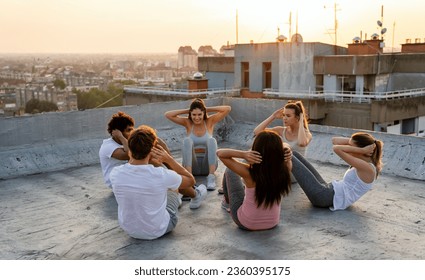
<point x="198" y="76"/>
<point x="281" y="38"/>
<point x="375" y="36"/>
<point x="356" y="40"/>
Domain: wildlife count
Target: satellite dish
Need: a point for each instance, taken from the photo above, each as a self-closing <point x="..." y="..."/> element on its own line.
<point x="297" y="38"/>
<point x="383" y="31"/>
<point x="379" y="23"/>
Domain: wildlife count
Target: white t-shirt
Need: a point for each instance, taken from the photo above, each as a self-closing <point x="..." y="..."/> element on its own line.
<point x="107" y="162"/>
<point x="141" y="194"/>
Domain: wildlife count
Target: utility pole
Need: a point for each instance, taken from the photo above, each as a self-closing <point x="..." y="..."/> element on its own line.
<point x="237" y="39"/>
<point x="335" y="30"/>
<point x="392" y="45"/>
<point x="290" y="25"/>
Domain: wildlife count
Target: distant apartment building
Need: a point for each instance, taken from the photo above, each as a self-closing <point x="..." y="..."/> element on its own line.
<point x="207" y="51"/>
<point x="159" y="73"/>
<point x="228" y="50"/>
<point x="187" y="58"/>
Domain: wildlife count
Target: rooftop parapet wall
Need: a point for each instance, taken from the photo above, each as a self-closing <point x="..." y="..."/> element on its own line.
<point x="56" y="141"/>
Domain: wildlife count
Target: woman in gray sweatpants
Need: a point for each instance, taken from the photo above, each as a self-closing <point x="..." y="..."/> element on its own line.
<point x="362" y="152"/>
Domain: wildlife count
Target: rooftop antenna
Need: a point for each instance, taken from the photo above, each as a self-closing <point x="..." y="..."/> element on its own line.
<point x="392" y="44"/>
<point x="296" y="25"/>
<point x="237" y="26"/>
<point x="290" y="24"/>
<point x="335" y="27"/>
<point x="381" y="23"/>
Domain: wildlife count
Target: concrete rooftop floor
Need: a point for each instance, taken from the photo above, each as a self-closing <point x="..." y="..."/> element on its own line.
<point x="54" y="204"/>
<point x="71" y="214"/>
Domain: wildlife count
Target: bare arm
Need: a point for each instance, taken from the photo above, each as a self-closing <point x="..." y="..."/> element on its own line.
<point x="304" y="135"/>
<point x="220" y="112"/>
<point x="278" y="114"/>
<point x="120" y="153"/>
<point x="229" y="156"/>
<point x="160" y="155"/>
<point x="364" y="170"/>
<point x="175" y="117"/>
<point x="340" y="140"/>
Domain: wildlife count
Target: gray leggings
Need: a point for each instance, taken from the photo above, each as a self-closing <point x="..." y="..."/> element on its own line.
<point x="234" y="192"/>
<point x="319" y="192"/>
<point x="200" y="163"/>
<point x="172" y="209"/>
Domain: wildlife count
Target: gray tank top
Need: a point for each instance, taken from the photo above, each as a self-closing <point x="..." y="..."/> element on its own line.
<point x="200" y="140"/>
<point x="294" y="144"/>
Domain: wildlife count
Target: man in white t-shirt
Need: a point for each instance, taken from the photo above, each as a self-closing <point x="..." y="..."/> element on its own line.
<point x="114" y="150"/>
<point x="147" y="196"/>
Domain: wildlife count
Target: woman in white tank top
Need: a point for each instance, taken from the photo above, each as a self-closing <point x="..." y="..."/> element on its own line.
<point x="361" y="152"/>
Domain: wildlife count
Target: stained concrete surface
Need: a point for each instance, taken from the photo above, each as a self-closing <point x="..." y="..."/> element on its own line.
<point x="70" y="214"/>
<point x="54" y="205"/>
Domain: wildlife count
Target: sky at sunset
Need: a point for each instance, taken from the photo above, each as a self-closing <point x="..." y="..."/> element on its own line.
<point x="158" y="26"/>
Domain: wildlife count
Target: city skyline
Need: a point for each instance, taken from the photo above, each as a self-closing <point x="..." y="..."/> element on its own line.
<point x="162" y="26"/>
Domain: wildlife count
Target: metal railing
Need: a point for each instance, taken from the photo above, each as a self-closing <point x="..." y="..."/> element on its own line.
<point x="345" y="96"/>
<point x="175" y="91"/>
<point x="328" y="96"/>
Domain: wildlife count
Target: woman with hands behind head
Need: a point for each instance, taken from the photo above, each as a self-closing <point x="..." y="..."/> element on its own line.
<point x="295" y="129"/>
<point x="253" y="189"/>
<point x="364" y="155"/>
<point x="199" y="142"/>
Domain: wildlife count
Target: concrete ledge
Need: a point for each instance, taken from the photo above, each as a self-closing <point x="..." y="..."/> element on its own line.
<point x="56" y="141"/>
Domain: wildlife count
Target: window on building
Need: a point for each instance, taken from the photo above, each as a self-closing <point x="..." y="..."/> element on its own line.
<point x="267" y="75"/>
<point x="319" y="83"/>
<point x="408" y="126"/>
<point x="245" y="74"/>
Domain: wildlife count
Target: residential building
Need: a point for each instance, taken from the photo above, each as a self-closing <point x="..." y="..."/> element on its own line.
<point x="187" y="58"/>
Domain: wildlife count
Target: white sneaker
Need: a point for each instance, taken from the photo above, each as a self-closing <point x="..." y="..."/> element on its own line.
<point x="211" y="182"/>
<point x="180" y="199"/>
<point x="201" y="194"/>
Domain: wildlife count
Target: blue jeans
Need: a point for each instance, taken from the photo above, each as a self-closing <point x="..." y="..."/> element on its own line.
<point x="200" y="163"/>
<point x="319" y="192"/>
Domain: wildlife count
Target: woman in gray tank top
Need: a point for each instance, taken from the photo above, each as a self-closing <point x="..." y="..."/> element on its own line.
<point x="199" y="146"/>
<point x="295" y="129"/>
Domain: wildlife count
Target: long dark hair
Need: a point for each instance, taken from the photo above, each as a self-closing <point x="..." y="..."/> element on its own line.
<point x="363" y="139"/>
<point x="198" y="104"/>
<point x="271" y="176"/>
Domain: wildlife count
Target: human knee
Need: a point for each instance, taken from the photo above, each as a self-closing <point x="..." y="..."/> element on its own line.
<point x="187" y="143"/>
<point x="212" y="143"/>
